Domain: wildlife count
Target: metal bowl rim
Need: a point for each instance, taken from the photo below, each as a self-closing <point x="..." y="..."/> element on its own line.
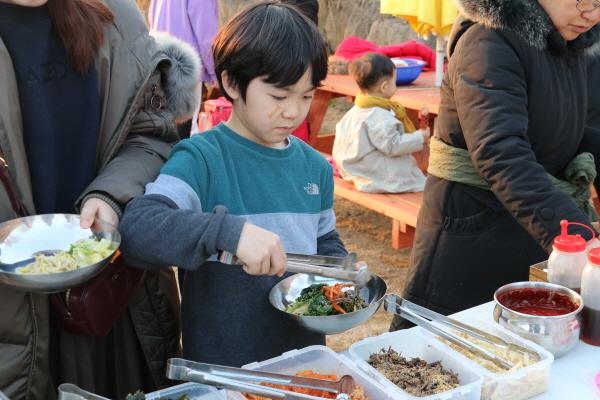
<point x="539" y="285"/>
<point x="410" y="61"/>
<point x="347" y="315"/>
<point x="76" y="216"/>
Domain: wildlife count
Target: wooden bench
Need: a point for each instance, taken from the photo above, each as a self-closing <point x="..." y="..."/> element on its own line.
<point x="402" y="208"/>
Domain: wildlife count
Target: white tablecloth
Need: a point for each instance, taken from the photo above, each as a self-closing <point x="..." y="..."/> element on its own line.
<point x="566" y="373"/>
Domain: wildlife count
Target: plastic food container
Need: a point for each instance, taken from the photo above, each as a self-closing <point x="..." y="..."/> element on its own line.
<point x="411" y="344"/>
<point x="520" y="384"/>
<point x="322" y="360"/>
<point x="195" y="391"/>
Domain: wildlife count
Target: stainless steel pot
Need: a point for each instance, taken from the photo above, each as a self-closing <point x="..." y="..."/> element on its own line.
<point x="557" y="334"/>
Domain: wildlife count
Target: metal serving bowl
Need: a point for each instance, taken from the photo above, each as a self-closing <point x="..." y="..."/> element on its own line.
<point x="286" y="292"/>
<point x="22" y="238"/>
<point x="557" y="334"/>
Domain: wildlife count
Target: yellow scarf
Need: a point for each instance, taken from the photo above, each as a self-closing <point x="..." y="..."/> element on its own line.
<point x="365" y="101"/>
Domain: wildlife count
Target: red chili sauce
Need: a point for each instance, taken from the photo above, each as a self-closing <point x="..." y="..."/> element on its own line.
<point x="541" y="302"/>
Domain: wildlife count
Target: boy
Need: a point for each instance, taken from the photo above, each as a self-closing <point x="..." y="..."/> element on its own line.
<point x="269" y="60"/>
<point x="372" y="147"/>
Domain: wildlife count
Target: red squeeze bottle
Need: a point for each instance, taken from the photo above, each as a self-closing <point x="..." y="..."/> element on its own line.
<point x="568" y="258"/>
<point x="590" y="293"/>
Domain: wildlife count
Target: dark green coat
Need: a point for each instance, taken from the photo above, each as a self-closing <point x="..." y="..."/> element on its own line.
<point x="134" y="142"/>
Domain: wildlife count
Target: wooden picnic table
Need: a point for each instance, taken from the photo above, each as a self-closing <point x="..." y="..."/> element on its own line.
<point x="418" y="94"/>
<point x="402" y="208"/>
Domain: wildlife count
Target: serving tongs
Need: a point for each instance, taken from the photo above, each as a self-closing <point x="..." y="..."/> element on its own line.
<point x="232" y="378"/>
<point x="68" y="391"/>
<point x="360" y="277"/>
<point x="428" y="319"/>
<point x="325" y="261"/>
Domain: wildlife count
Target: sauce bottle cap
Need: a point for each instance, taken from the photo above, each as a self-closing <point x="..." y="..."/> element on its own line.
<point x="594" y="256"/>
<point x="569" y="243"/>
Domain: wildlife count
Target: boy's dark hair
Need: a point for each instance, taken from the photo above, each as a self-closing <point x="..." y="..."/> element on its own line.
<point x="370" y="68"/>
<point x="269" y="39"/>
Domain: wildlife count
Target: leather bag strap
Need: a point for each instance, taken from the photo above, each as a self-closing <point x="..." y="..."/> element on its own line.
<point x="16" y="204"/>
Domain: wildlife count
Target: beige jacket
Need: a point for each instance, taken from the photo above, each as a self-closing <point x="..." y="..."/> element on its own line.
<point x="372" y="150"/>
<point x="134" y="142"/>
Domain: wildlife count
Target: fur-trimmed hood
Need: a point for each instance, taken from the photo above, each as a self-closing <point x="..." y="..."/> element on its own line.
<point x="182" y="76"/>
<point x="525" y="18"/>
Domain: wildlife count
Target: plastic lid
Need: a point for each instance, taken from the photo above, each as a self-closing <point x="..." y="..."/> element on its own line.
<point x="569" y="243"/>
<point x="594" y="256"/>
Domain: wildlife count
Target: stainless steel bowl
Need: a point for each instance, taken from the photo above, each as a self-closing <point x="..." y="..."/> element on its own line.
<point x="21" y="238"/>
<point x="557" y="334"/>
<point x="286" y="292"/>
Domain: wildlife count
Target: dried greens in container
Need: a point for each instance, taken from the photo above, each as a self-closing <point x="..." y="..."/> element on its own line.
<point x="415" y="376"/>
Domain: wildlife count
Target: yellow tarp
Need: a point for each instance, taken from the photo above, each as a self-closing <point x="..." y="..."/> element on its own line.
<point x="424" y="16"/>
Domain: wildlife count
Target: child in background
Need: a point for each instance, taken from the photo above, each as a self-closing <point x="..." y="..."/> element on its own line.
<point x="247" y="187"/>
<point x="375" y="139"/>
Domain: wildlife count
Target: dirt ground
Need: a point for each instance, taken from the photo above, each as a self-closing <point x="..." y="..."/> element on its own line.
<point x="369" y="234"/>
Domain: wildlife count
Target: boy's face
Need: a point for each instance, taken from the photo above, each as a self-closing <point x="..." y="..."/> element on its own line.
<point x="270" y="113"/>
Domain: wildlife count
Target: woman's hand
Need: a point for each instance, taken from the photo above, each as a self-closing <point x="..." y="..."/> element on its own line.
<point x="359" y="265"/>
<point x="97" y="208"/>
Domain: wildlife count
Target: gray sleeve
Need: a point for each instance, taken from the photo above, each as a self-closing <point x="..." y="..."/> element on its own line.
<point x="326" y="222"/>
<point x="177" y="190"/>
<point x="155" y="233"/>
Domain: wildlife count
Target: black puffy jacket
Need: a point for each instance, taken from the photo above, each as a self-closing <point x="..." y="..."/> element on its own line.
<point x="514" y="95"/>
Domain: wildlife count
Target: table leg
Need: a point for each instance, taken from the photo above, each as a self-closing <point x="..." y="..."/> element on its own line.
<point x="316" y="114"/>
<point x="403" y="235"/>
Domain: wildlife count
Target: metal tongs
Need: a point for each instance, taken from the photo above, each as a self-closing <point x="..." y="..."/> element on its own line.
<point x="311" y="265"/>
<point x="68" y="391"/>
<point x="428" y="319"/>
<point x="346" y="263"/>
<point x="229" y="378"/>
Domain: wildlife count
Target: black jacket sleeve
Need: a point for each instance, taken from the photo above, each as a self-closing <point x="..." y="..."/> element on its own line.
<point x="330" y="244"/>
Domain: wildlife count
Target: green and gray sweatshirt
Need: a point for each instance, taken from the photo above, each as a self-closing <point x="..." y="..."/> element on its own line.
<point x="212" y="184"/>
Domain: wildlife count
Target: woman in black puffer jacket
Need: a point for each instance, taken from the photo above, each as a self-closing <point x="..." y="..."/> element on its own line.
<point x="513" y="101"/>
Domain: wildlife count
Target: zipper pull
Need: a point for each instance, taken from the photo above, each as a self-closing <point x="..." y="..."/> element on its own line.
<point x="156" y="100"/>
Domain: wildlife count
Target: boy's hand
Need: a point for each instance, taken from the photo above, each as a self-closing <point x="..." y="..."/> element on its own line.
<point x="426" y="132"/>
<point x="261" y="251"/>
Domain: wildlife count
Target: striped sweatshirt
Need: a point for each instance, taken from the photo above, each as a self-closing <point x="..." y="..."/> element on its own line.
<point x="212" y="184"/>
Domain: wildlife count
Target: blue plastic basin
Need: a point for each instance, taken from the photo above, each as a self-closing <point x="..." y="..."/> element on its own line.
<point x="405" y="75"/>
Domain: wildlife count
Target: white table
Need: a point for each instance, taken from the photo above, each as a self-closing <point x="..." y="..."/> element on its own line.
<point x="566" y="373"/>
